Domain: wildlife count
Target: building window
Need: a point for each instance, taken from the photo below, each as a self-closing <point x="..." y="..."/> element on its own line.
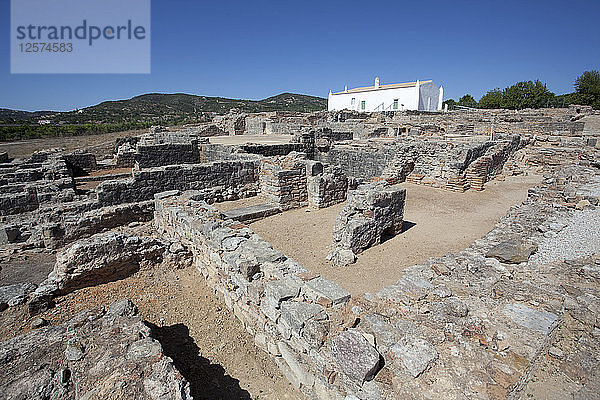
<point x="395" y="104"/>
<point x="362" y="105"/>
<point x="353" y="101"/>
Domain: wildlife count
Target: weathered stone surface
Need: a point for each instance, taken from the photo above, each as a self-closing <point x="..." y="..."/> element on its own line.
<point x="415" y="354"/>
<point x="89" y="357"/>
<point x="296" y="313"/>
<point x="355" y="355"/>
<point x="324" y="288"/>
<point x="281" y="289"/>
<point x="301" y="372"/>
<point x="14" y="295"/>
<point x="101" y="258"/>
<point x="372" y="211"/>
<point x="512" y="251"/>
<point x="537" y="320"/>
<point x="9" y="233"/>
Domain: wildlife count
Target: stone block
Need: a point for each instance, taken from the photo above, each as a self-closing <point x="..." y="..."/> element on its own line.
<point x="321" y="287"/>
<point x="414" y="354"/>
<point x="355" y="355"/>
<point x="296" y="314"/>
<point x="280" y="290"/>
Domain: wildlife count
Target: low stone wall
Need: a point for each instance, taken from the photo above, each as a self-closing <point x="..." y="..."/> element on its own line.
<point x="166" y="148"/>
<point x="66" y="230"/>
<point x="283" y="181"/>
<point x="372" y="211"/>
<point x="80" y="162"/>
<point x="293" y="315"/>
<point x="327" y="185"/>
<point x="227" y="180"/>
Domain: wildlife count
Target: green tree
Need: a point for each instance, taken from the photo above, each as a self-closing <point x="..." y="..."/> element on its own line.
<point x="587" y="86"/>
<point x="492" y="99"/>
<point x="467" y="101"/>
<point x="526" y="94"/>
<point x="451" y="104"/>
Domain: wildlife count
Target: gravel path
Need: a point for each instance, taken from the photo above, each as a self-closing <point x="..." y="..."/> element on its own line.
<point x="579" y="238"/>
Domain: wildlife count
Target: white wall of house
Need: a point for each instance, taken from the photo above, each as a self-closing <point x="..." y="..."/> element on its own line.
<point x="429" y="95"/>
<point x="423" y="96"/>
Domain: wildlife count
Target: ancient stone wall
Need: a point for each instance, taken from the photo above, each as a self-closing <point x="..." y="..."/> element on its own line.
<point x="283" y="181"/>
<point x="166" y="148"/>
<point x="326" y="184"/>
<point x="372" y="211"/>
<point x="226" y="180"/>
<point x="290" y="313"/>
<point x="80" y="162"/>
<point x="42" y="179"/>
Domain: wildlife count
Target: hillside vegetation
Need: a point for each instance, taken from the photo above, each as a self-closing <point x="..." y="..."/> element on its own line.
<point x="141" y="112"/>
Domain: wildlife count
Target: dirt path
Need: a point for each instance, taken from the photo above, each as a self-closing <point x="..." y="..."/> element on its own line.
<point x="436" y="222"/>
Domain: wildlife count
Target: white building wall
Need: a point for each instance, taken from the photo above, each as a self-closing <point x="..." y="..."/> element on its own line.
<point x="375" y="100"/>
<point x="429" y="95"/>
<point x="424" y="96"/>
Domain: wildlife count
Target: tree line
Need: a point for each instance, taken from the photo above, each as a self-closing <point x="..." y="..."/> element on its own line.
<point x="24" y="131"/>
<point x="535" y="94"/>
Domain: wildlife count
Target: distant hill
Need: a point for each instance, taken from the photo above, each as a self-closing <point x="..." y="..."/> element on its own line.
<point x="165" y="109"/>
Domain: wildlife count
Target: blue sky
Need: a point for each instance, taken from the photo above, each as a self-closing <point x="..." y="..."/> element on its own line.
<point x="255" y="49"/>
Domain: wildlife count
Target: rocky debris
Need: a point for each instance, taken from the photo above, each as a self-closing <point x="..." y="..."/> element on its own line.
<point x="15" y="295"/>
<point x="578" y="237"/>
<point x="415" y="354"/>
<point x="538" y="320"/>
<point x="98" y="354"/>
<point x="355" y="355"/>
<point x="372" y="211"/>
<point x="101" y="258"/>
<point x="512" y="251"/>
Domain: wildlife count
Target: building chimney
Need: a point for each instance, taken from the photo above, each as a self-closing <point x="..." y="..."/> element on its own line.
<point x="376" y="82"/>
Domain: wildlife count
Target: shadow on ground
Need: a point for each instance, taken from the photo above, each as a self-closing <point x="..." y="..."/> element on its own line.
<point x="208" y="381"/>
<point x="406" y="225"/>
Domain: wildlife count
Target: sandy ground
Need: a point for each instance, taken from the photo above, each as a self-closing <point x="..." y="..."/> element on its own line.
<point x="101" y="145"/>
<point x="25" y="267"/>
<point x="436" y="222"/>
<point x="208" y="344"/>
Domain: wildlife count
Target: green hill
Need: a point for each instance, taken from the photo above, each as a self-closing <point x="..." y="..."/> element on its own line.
<point x="165" y="109"/>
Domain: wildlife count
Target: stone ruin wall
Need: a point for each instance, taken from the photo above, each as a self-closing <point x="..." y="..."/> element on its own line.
<point x="397" y="343"/>
<point x="283" y="181"/>
<point x="226" y="180"/>
<point x="372" y="211"/>
<point x="288" y="311"/>
<point x="166" y="151"/>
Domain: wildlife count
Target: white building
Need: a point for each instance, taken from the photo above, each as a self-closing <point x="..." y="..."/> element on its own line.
<point x="419" y="95"/>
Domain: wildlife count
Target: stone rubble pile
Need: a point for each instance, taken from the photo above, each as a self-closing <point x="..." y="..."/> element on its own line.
<point x="99" y="354"/>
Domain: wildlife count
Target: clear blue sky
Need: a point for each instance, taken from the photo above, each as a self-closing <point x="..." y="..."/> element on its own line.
<point x="255" y="49"/>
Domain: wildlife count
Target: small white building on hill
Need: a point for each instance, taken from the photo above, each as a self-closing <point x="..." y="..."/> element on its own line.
<point x="419" y="95"/>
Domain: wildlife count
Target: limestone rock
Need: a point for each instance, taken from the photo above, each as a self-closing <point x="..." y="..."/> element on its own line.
<point x="512" y="251"/>
<point x="416" y="355"/>
<point x="355" y="355"/>
<point x="89" y="357"/>
<point x="101" y="258"/>
<point x="372" y="210"/>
